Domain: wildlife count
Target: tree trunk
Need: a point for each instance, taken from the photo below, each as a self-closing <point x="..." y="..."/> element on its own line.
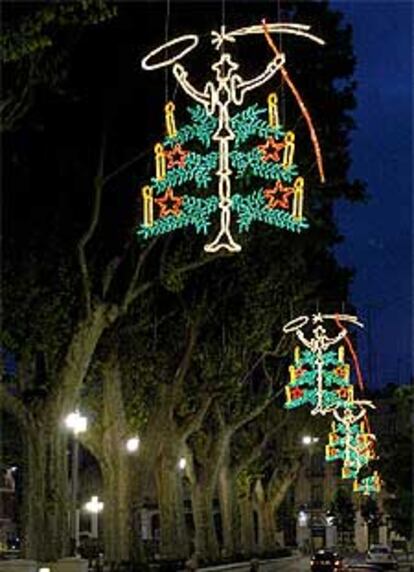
<point x="174" y="541"/>
<point x="267" y="526"/>
<point x="205" y="533"/>
<point x="117" y="507"/>
<point x="266" y="520"/>
<point x="247" y="540"/>
<point x="34" y="495"/>
<point x="78" y="357"/>
<point x="229" y="511"/>
<point x="46" y="494"/>
<point x="57" y="495"/>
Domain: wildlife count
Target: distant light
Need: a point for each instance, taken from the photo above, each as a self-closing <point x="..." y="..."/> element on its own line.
<point x="43" y="569"/>
<point x="182" y="463"/>
<point x="13" y="469"/>
<point x="132" y="444"/>
<point x="302" y="518"/>
<point x="94" y="505"/>
<point x="76" y="422"/>
<point x="309" y="440"/>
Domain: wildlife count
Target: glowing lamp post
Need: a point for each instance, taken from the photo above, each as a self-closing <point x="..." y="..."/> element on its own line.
<point x="94" y="507"/>
<point x="132" y="445"/>
<point x="77" y="424"/>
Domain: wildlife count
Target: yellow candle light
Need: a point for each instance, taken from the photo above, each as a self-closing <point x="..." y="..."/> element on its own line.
<point x="170" y="119"/>
<point x="289" y="150"/>
<point x="160" y="163"/>
<point x="297" y="205"/>
<point x="148" y="210"/>
<point x="272" y="108"/>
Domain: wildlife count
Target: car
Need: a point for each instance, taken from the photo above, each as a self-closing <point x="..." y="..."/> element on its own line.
<point x="382" y="555"/>
<point x="326" y="561"/>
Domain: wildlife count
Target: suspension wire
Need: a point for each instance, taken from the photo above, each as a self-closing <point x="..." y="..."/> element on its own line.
<point x="223" y="21"/>
<point x="282" y="89"/>
<point x="166" y="35"/>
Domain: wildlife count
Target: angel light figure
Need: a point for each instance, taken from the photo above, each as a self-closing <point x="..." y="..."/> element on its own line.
<point x="320" y="376"/>
<point x="280" y="205"/>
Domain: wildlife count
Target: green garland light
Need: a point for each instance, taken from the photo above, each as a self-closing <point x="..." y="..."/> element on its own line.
<point x="196" y="212"/>
<point x="200" y="167"/>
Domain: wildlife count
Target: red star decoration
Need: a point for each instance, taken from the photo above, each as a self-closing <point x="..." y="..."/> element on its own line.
<point x="271" y="149"/>
<point x="296" y="393"/>
<point x="278" y="196"/>
<point x="169" y="204"/>
<point x="176" y="156"/>
<point x="343" y="393"/>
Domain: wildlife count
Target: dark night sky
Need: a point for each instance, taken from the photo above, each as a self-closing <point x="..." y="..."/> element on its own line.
<point x="379" y="233"/>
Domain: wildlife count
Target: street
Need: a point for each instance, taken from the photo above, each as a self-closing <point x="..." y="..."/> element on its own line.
<point x="302" y="565"/>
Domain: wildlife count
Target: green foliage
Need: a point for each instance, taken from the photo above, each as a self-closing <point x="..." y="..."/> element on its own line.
<point x="35" y="32"/>
<point x="252" y="162"/>
<point x="399" y="453"/>
<point x="195" y="212"/>
<point x="254" y="207"/>
<point x="250" y="123"/>
<point x="198" y="169"/>
<point x="343" y="511"/>
<point x="201" y="129"/>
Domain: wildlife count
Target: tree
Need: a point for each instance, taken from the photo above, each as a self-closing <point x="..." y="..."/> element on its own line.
<point x="343" y="511"/>
<point x="398" y="484"/>
<point x="85" y="272"/>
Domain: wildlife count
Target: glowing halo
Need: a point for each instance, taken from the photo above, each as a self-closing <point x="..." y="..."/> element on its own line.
<point x="295" y="324"/>
<point x="186" y="38"/>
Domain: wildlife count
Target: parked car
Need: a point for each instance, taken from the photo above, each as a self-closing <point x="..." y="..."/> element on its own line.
<point x="382" y="556"/>
<point x="326" y="561"/>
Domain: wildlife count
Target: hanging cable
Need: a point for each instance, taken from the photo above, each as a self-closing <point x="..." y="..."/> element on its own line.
<point x="282" y="88"/>
<point x="166" y="34"/>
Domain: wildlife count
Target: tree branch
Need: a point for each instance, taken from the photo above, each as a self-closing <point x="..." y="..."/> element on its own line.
<point x="255" y="412"/>
<point x="194" y="424"/>
<point x="260" y="447"/>
<point x="89" y="232"/>
<point x="133" y="290"/>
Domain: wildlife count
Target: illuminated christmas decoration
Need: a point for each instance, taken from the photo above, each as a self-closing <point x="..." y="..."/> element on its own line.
<point x="368" y="485"/>
<point x="320" y="377"/>
<point x="169" y="204"/>
<point x="319" y="372"/>
<point x="251" y="142"/>
<point x="349" y="440"/>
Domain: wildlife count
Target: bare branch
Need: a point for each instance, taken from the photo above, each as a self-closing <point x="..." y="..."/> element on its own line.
<point x="109" y="274"/>
<point x="194" y="424"/>
<point x="255" y="412"/>
<point x="88" y="234"/>
<point x="255" y="453"/>
<point x="133" y="290"/>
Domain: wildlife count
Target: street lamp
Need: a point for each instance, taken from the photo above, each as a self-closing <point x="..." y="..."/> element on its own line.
<point x="77" y="424"/>
<point x="132" y="445"/>
<point x="182" y="463"/>
<point x="309" y="440"/>
<point x="94" y="507"/>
